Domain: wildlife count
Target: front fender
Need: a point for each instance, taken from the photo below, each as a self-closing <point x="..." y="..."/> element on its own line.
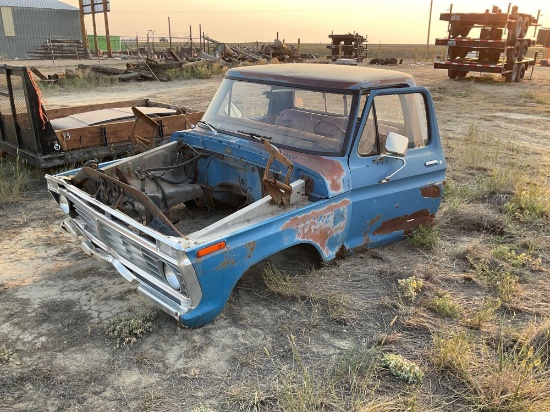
<point x="322" y="224"/>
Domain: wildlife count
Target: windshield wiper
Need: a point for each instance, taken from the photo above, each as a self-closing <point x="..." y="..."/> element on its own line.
<point x="209" y="126"/>
<point x="254" y="135"/>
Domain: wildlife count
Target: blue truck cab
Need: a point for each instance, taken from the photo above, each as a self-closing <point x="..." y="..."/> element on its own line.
<point x="335" y="159"/>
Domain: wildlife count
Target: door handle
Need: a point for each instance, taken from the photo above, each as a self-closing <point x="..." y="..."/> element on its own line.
<point x="431" y="162"/>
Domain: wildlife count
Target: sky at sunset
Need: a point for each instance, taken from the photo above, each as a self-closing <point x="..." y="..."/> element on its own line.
<point x="388" y="21"/>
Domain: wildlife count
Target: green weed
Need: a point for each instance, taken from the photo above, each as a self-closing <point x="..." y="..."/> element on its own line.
<point x="443" y="305"/>
<point x="127" y="330"/>
<point x="503" y="281"/>
<point x="402" y="368"/>
<point x="410" y="287"/>
<point x="504" y="253"/>
<point x="485" y="313"/>
<point x="530" y="202"/>
<point x="6" y="354"/>
<point x="453" y="352"/>
<point x="425" y="237"/>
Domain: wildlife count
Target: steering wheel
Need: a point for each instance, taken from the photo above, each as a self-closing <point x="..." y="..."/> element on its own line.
<point x="332" y="128"/>
<point x="316" y="142"/>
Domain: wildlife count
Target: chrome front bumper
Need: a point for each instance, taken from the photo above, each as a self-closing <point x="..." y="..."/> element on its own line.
<point x="146" y="286"/>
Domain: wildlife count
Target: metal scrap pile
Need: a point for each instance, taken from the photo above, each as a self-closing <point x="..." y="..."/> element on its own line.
<point x="272" y="53"/>
<point x="132" y="72"/>
<point x="281" y="51"/>
<point x="384" y="61"/>
<point x="147" y="69"/>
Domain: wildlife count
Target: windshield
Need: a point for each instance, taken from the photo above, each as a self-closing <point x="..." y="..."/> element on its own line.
<point x="304" y="120"/>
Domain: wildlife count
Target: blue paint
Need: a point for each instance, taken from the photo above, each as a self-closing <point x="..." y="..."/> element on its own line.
<point x="348" y="209"/>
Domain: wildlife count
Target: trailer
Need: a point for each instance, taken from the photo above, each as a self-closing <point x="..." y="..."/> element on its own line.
<point x="500" y="48"/>
<point x="53" y="137"/>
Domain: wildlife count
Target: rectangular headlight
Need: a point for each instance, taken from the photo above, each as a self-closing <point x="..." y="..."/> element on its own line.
<point x="167" y="250"/>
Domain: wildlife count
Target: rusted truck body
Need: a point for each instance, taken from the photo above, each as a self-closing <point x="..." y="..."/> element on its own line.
<point x="52" y="137"/>
<point x="324" y="158"/>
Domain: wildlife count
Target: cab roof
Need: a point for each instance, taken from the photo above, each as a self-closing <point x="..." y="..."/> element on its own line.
<point x="324" y="76"/>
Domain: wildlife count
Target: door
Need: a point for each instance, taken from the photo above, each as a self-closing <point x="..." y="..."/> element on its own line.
<point x="384" y="210"/>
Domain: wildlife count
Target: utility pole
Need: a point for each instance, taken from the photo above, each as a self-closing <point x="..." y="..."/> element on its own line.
<point x="83" y="29"/>
<point x="169" y="32"/>
<point x="191" y="41"/>
<point x="107" y="36"/>
<point x="429" y="27"/>
<point x="95" y="28"/>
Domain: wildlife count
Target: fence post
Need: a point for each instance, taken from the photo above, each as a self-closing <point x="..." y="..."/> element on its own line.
<point x="415" y="55"/>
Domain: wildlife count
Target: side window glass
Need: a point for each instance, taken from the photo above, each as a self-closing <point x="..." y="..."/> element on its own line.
<point x="404" y="114"/>
<point x="416" y="119"/>
<point x="368" y="144"/>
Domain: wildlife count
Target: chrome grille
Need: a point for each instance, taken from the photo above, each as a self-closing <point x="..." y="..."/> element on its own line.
<point x="130" y="250"/>
<point x="87" y="219"/>
<point x="145" y="260"/>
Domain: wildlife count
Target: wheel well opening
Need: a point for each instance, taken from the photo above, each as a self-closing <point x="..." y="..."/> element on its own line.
<point x="297" y="260"/>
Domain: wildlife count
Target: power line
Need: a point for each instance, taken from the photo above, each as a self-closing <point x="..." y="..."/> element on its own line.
<point x="229" y="11"/>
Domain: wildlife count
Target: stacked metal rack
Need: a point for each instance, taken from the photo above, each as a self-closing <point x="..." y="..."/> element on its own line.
<point x="491" y="52"/>
<point x="347" y="46"/>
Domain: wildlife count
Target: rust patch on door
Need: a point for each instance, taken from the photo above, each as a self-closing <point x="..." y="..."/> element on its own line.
<point x="432" y="191"/>
<point x="319" y="226"/>
<point x="406" y="223"/>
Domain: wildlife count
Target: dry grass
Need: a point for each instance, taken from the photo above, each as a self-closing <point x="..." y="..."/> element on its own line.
<point x="15" y="177"/>
<point x="478" y="327"/>
<point x="341" y="307"/>
<point x="503" y="376"/>
<point x="537" y="98"/>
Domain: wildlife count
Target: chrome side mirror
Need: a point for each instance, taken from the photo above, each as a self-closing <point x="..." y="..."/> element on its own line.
<point x="396" y="146"/>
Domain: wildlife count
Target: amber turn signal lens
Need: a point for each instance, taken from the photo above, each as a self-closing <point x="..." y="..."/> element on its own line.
<point x="210" y="249"/>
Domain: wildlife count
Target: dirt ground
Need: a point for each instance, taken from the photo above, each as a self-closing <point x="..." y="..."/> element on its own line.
<point x="55" y="302"/>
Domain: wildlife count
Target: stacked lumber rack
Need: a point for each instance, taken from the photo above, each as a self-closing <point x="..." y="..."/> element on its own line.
<point x="58" y="49"/>
<point x="501" y="47"/>
<point x="347" y="46"/>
